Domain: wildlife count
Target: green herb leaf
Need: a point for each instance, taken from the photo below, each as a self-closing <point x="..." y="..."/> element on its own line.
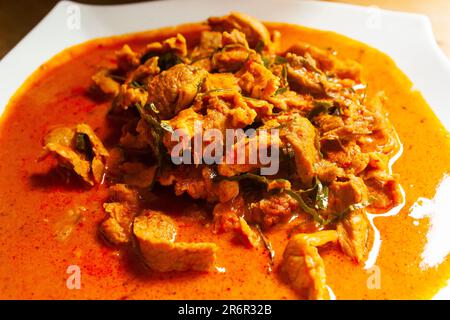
<point x="250" y="176"/>
<point x="259" y="46"/>
<point x="81" y="142"/>
<point x="284" y="75"/>
<point x="137" y="85"/>
<point x="230" y="46"/>
<point x="266" y="61"/>
<point x="321" y="195"/>
<point x="147" y="56"/>
<point x="280" y="91"/>
<point x="268" y="247"/>
<point x="310" y="63"/>
<point x="157" y="133"/>
<point x="116" y="77"/>
<point x="320" y="106"/>
<point x="244" y="176"/>
<point x="168" y="60"/>
<point x="83" y="145"/>
<point x="216" y="90"/>
<point x="279" y="60"/>
<point x="311" y="211"/>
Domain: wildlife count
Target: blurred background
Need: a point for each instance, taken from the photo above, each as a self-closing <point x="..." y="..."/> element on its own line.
<point x="18" y="17"/>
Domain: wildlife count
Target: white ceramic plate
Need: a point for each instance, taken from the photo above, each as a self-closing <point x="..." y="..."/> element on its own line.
<point x="407" y="38"/>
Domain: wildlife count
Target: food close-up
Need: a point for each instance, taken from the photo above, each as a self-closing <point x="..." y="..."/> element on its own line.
<point x="92" y="177"/>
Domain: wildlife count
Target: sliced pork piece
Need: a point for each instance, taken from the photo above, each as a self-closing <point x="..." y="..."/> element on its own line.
<point x="301" y="135"/>
<point x="257" y="81"/>
<point x="327" y="61"/>
<point x="353" y="228"/>
<point x="127" y="59"/>
<point x="70" y="159"/>
<point x="198" y="183"/>
<point x="239" y="158"/>
<point x="303" y="76"/>
<point x="343" y="194"/>
<point x="273" y="209"/>
<point x="253" y="29"/>
<point x="229" y="217"/>
<point x="100" y="154"/>
<point x="156" y="233"/>
<point x="353" y="234"/>
<point x="78" y="149"/>
<point x="220" y="81"/>
<point x="302" y="265"/>
<point x="175" y="44"/>
<point x="174" y="89"/>
<point x="103" y="81"/>
<point x="117" y="226"/>
<point x="121" y="210"/>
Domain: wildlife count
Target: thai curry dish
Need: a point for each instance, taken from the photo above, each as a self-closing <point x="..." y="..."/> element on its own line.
<point x="105" y="168"/>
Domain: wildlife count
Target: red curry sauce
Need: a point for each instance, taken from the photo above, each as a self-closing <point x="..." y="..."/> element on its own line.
<point x="35" y="202"/>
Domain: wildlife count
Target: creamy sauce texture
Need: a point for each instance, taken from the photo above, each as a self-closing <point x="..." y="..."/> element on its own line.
<point x="37" y="248"/>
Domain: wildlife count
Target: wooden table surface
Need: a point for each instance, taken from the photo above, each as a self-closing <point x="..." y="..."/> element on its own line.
<point x="18" y="17"/>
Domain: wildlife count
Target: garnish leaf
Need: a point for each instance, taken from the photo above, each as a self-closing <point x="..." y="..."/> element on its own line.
<point x="284" y="76"/>
<point x="157" y="132"/>
<point x="81" y="142"/>
<point x="310" y="63"/>
<point x="321" y="106"/>
<point x="259" y="46"/>
<point x="266" y="61"/>
<point x="137" y="85"/>
<point x="268" y="247"/>
<point x="250" y="176"/>
<point x="117" y="77"/>
<point x="280" y="90"/>
<point x="165" y="61"/>
<point x="168" y="60"/>
<point x="311" y="211"/>
<point x="279" y="60"/>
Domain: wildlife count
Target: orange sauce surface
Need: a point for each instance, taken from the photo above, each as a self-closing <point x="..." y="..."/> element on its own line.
<point x="33" y="198"/>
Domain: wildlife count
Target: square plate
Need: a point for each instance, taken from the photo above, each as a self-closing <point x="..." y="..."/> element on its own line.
<point x="407" y="38"/>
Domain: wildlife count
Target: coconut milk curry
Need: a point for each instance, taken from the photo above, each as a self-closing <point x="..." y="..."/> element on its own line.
<point x="86" y="180"/>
